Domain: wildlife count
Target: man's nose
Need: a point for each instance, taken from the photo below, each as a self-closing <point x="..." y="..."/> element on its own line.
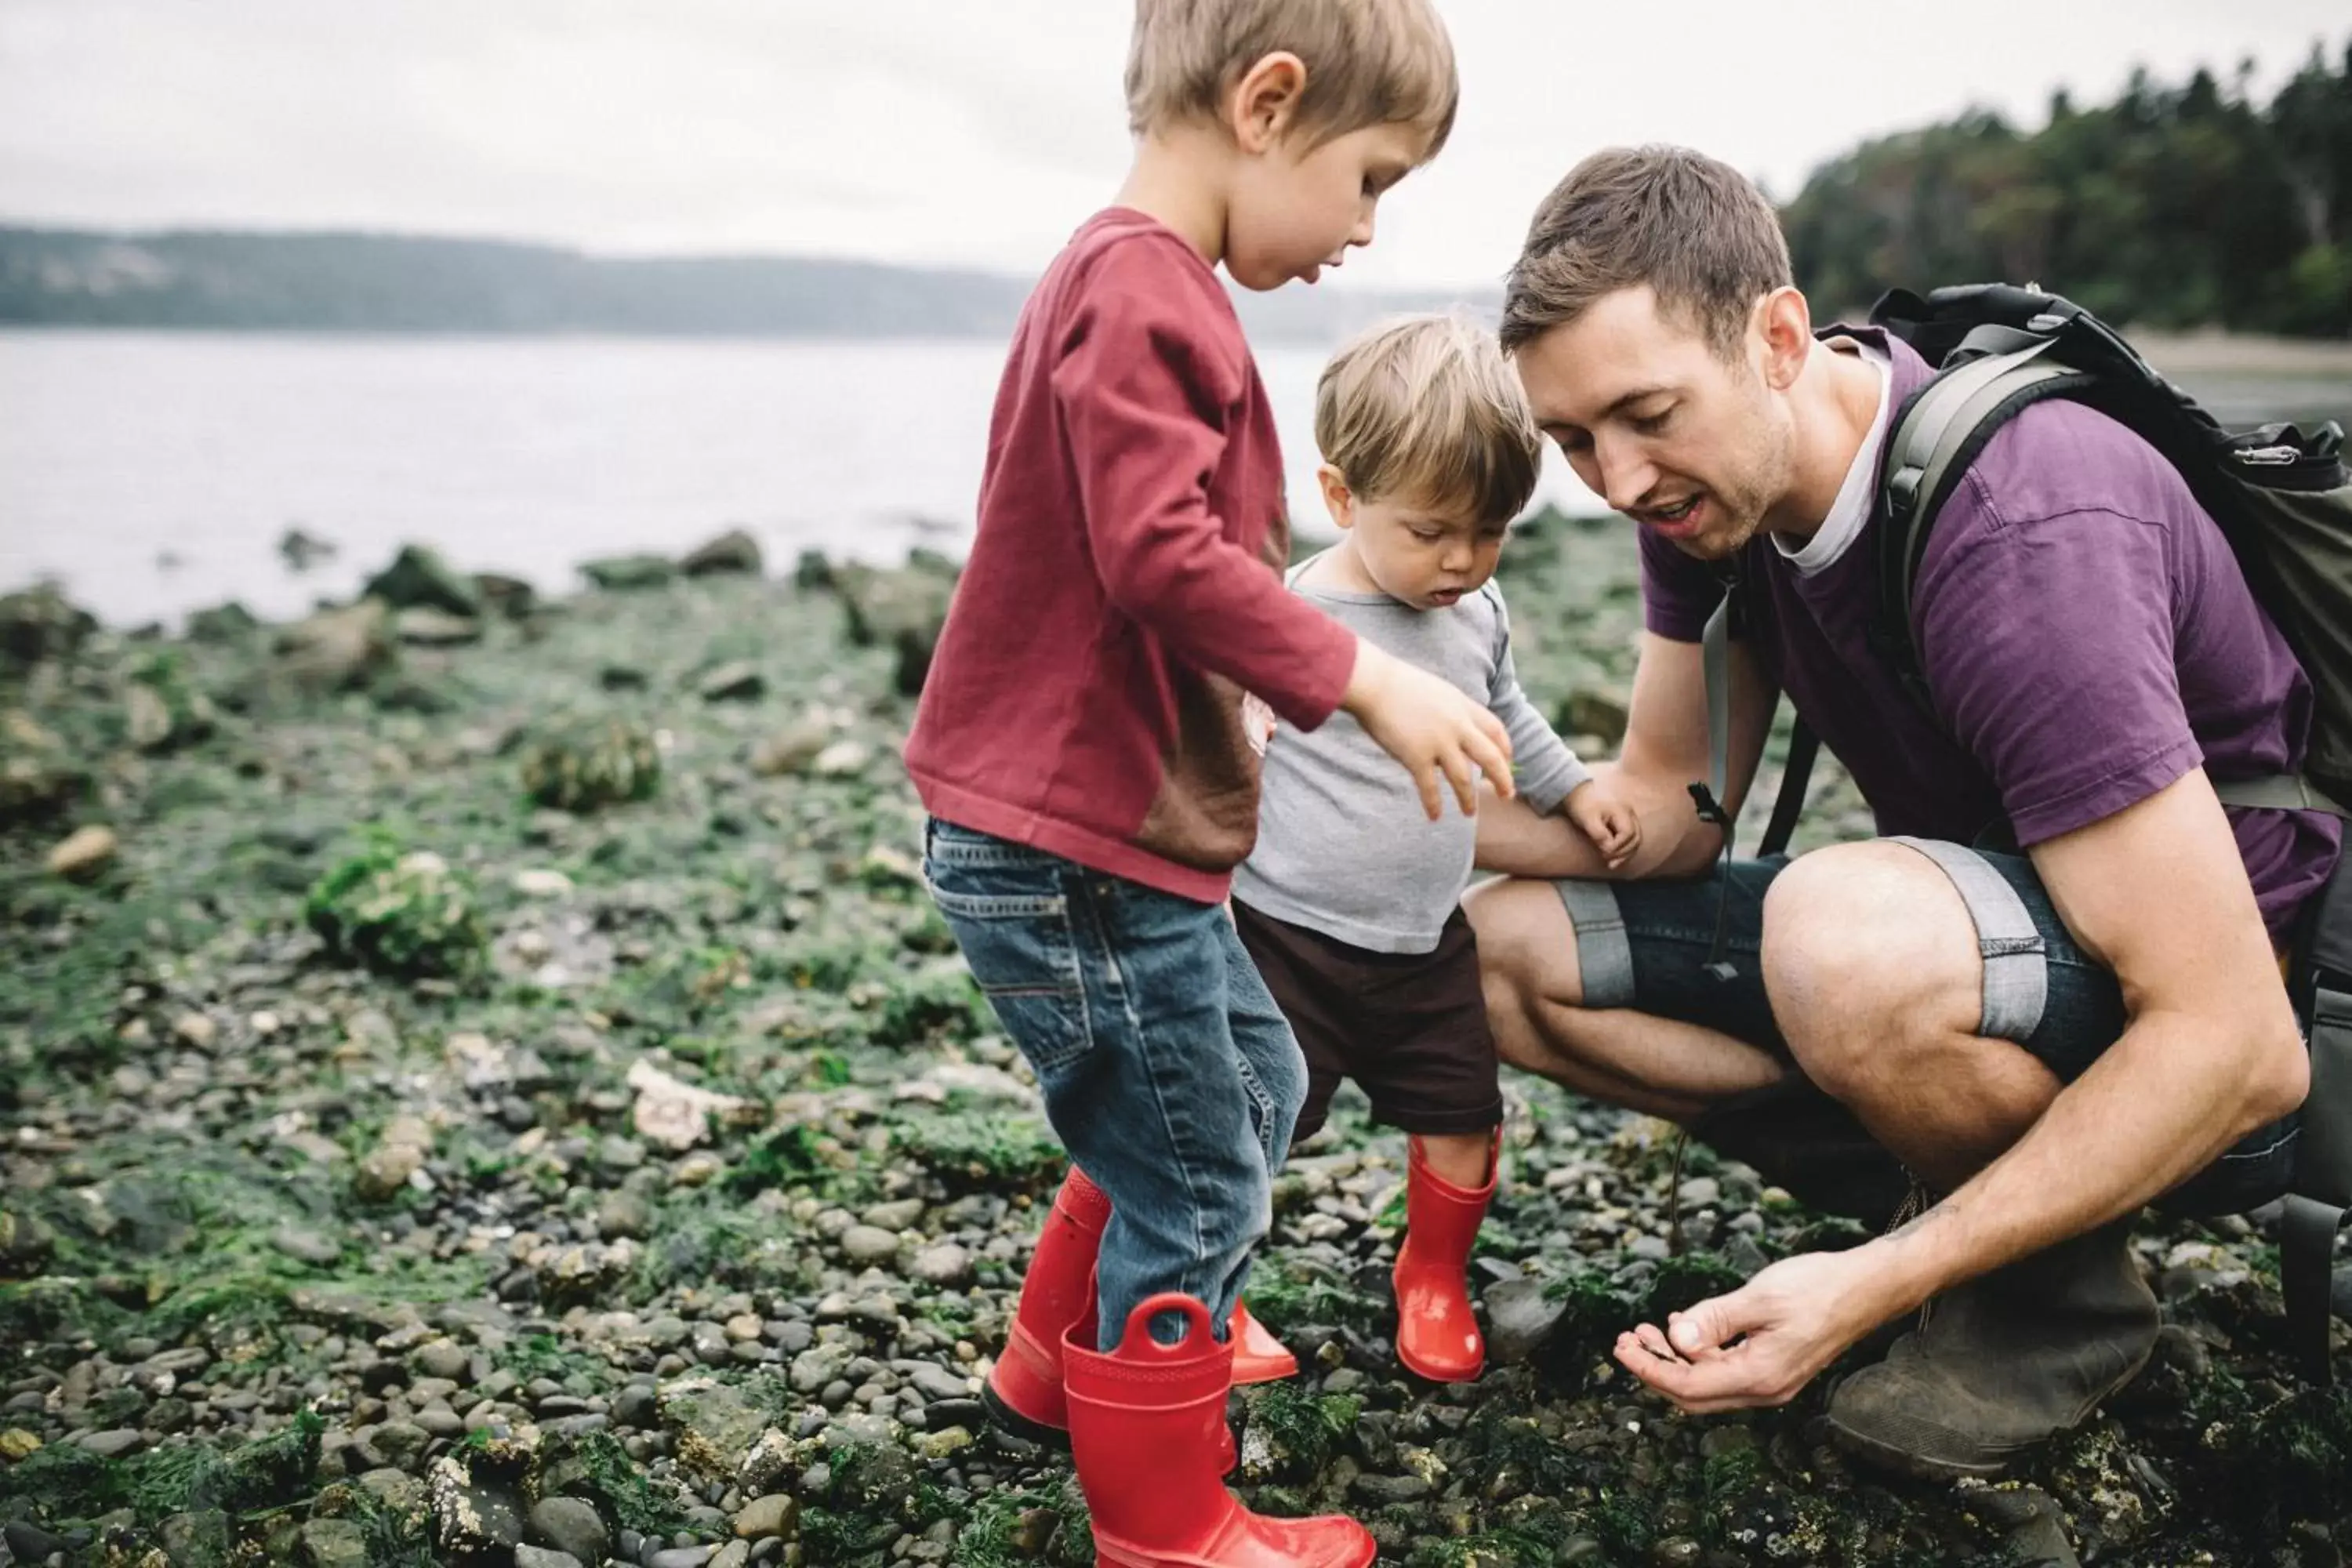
<point x="1625" y="477"/>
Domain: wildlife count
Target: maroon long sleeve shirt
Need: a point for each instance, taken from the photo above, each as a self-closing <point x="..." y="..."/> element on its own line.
<point x="1124" y="588"/>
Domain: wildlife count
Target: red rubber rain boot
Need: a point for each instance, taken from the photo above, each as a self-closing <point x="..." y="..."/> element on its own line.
<point x="1437" y="1336"/>
<point x="1024" y="1394"/>
<point x="1147" y="1429"/>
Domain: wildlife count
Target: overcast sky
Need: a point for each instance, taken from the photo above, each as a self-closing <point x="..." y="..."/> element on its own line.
<point x="968" y="131"/>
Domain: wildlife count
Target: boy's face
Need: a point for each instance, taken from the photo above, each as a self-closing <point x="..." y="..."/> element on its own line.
<point x="1427" y="557"/>
<point x="1295" y="210"/>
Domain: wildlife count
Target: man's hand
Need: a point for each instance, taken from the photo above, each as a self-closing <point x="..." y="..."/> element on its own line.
<point x="1439" y="734"/>
<point x="1614" y="827"/>
<point x="1763" y="1342"/>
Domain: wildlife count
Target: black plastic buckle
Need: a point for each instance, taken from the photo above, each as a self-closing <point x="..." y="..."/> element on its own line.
<point x="1710" y="810"/>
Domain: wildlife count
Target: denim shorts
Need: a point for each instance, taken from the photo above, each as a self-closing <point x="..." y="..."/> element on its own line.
<point x="1647" y="945"/>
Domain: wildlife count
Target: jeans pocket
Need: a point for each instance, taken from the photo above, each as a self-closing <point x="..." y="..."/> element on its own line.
<point x="1020" y="951"/>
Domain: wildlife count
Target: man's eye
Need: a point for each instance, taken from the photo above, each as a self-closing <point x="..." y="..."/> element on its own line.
<point x="1574" y="441"/>
<point x="1653" y="423"/>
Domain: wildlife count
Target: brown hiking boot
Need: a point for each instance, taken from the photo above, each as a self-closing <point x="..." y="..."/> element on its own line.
<point x="2003" y="1362"/>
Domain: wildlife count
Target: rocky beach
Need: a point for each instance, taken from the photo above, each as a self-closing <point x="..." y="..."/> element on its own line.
<point x="481" y="1081"/>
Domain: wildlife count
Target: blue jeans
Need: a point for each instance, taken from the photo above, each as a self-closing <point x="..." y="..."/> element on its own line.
<point x="1168" y="1071"/>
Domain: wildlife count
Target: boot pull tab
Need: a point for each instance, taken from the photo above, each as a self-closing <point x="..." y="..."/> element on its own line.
<point x="1136" y="1342"/>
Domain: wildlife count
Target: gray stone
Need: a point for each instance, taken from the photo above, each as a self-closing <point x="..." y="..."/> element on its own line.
<point x="442" y="1358"/>
<point x="733" y="551"/>
<point x="541" y="1557"/>
<point x="1382" y="1490"/>
<point x="471" y="1516"/>
<point x="736" y="682"/>
<point x="775" y="1514"/>
<point x="571" y="1526"/>
<point x="943" y="1264"/>
<point x="305" y="1244"/>
<point x="680" y="1557"/>
<point x="334" y="1543"/>
<point x="865" y="1244"/>
<point x="897" y="1215"/>
<point x="1520" y="1317"/>
<point x="935" y="1382"/>
<point x="195" y="1539"/>
<point x="112" y="1445"/>
<point x="625" y="1214"/>
<point x="401" y="1443"/>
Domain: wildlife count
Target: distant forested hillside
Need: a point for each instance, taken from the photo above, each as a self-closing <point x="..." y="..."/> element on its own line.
<point x="358" y="282"/>
<point x="2172" y="206"/>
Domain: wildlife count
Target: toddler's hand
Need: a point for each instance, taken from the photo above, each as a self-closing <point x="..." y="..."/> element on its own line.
<point x="1258" y="721"/>
<point x="1426" y="723"/>
<point x="1612" y="826"/>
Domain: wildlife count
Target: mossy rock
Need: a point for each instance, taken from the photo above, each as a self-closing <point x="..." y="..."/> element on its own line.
<point x="399" y="914"/>
<point x="419" y="578"/>
<point x="41" y="622"/>
<point x="619" y="573"/>
<point x="38" y="780"/>
<point x="592" y="764"/>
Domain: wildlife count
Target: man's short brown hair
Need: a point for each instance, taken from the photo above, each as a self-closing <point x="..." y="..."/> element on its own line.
<point x="1697" y="231"/>
<point x="1369" y="62"/>
<point x="1425" y="410"/>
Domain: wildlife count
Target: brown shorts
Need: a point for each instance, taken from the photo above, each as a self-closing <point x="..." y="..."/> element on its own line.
<point x="1409" y="1027"/>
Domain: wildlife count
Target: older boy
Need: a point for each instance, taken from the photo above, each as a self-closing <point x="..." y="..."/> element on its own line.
<point x="1351" y="902"/>
<point x="1079" y="743"/>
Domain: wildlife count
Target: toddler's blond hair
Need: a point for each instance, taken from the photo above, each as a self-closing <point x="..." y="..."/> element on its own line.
<point x="1424" y="409"/>
<point x="1369" y="62"/>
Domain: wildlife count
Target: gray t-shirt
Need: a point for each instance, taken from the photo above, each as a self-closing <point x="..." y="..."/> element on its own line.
<point x="1343" y="846"/>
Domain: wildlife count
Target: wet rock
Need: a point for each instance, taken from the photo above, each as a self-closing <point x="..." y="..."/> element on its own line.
<point x="423" y="626"/>
<point x="542" y="1557"/>
<point x="715" y="1426"/>
<point x="418" y="578"/>
<point x="198" y="1540"/>
<point x="571" y="1526"/>
<point x="733" y="551"/>
<point x="83" y="854"/>
<point x="775" y="1514"/>
<point x="678" y="1115"/>
<point x="112" y="1445"/>
<point x="1596" y="710"/>
<point x="337" y="650"/>
<point x="334" y="1543"/>
<point x="790" y="750"/>
<point x="944" y="1264"/>
<point x="510" y="596"/>
<point x="472" y="1517"/>
<point x="1520" y="1317"/>
<point x="865" y="1244"/>
<point x="738" y="681"/>
<point x="307" y="1245"/>
<point x="584" y="765"/>
<point x="37" y="779"/>
<point x="621" y="573"/>
<point x="301" y="549"/>
<point x="40" y="623"/>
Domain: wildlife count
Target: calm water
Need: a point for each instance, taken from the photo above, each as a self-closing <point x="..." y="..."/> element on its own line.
<point x="154" y="473"/>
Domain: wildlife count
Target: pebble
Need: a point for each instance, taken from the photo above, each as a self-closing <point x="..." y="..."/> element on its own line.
<point x="571" y="1526"/>
<point x="863" y="1244"/>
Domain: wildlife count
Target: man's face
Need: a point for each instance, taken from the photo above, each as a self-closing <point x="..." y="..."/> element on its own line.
<point x="1659" y="425"/>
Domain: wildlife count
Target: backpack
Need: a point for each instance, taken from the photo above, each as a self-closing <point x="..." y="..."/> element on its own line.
<point x="2281" y="498"/>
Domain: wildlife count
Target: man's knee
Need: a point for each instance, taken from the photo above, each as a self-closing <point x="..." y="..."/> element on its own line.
<point x="1868" y="954"/>
<point x="1527" y="945"/>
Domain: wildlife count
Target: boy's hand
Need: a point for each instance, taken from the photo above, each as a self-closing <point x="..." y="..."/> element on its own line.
<point x="1423" y="722"/>
<point x="1612" y="826"/>
<point x="1258" y="721"/>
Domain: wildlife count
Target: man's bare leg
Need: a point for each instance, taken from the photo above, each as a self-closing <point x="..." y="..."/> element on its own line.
<point x="1871" y="963"/>
<point x="1527" y="953"/>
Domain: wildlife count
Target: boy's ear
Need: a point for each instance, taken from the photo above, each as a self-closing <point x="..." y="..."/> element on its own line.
<point x="1337" y="499"/>
<point x="1264" y="100"/>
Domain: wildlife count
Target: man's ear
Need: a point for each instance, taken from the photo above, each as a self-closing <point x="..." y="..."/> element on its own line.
<point x="1785" y="323"/>
<point x="1264" y="103"/>
<point x="1337" y="498"/>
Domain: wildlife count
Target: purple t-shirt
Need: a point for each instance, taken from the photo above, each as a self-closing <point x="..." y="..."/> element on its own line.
<point x="2086" y="637"/>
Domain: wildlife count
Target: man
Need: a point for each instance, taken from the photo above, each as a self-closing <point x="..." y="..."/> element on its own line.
<point x="2049" y="1038"/>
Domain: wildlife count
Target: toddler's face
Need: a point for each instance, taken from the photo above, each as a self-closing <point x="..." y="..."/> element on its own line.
<point x="1295" y="210"/>
<point x="1422" y="556"/>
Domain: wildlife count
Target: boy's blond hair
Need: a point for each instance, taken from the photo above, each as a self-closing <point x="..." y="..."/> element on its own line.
<point x="1369" y="62"/>
<point x="1425" y="410"/>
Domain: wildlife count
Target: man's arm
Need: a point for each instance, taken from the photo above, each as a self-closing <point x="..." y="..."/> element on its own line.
<point x="1663" y="754"/>
<point x="2157" y="891"/>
